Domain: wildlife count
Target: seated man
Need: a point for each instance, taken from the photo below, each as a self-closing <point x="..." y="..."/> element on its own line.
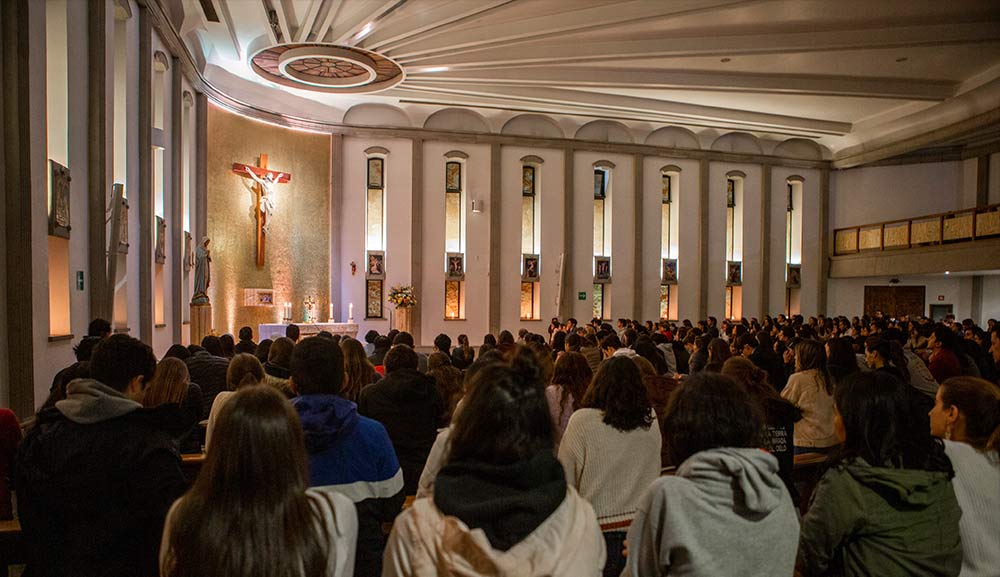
<point x="97" y="474"/>
<point x="348" y="453"/>
<point x="407" y="403"/>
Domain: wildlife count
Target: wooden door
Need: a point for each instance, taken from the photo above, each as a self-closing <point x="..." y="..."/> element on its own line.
<point x="895" y="301"/>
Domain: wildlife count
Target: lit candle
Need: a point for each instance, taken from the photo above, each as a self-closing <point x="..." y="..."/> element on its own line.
<point x="331" y="312"/>
<point x="350" y="311"/>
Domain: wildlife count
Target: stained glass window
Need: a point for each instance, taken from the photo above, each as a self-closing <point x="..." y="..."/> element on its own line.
<point x="530" y="243"/>
<point x="375" y="234"/>
<point x="373" y="299"/>
<point x="454" y="214"/>
<point x="453" y="299"/>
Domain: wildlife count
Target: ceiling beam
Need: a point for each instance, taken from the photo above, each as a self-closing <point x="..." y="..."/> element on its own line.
<point x="515" y="52"/>
<point x="422" y="20"/>
<point x="332" y="8"/>
<point x="349" y="25"/>
<point x="655" y="78"/>
<point x="302" y="32"/>
<point x="632" y="105"/>
<point x="546" y="26"/>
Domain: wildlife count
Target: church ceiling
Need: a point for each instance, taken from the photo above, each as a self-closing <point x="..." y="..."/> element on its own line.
<point x="842" y="73"/>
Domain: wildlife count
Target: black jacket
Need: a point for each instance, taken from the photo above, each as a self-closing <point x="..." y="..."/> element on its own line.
<point x="92" y="497"/>
<point x="209" y="372"/>
<point x="408" y="405"/>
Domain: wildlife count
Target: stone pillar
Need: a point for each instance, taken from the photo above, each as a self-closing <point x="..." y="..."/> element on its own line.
<point x="145" y="118"/>
<point x="494" y="204"/>
<point x="412" y="316"/>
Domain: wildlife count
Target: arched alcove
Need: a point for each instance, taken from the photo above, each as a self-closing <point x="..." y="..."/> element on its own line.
<point x="740" y="142"/>
<point x="673" y="137"/>
<point x="372" y="114"/>
<point x="457" y="119"/>
<point x="799" y="148"/>
<point x="605" y="131"/>
<point x="532" y="125"/>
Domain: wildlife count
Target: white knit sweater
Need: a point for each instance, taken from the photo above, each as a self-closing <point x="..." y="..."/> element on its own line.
<point x="977" y="488"/>
<point x="611" y="469"/>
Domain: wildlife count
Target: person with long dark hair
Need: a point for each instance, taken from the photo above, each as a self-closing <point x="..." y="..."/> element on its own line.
<point x="359" y="370"/>
<point x="570" y="380"/>
<point x="966" y="415"/>
<point x="501" y="504"/>
<point x="810" y="388"/>
<point x="463" y="355"/>
<point x="726" y="511"/>
<point x="841" y="362"/>
<point x="280" y="527"/>
<point x="881" y="355"/>
<point x="611" y="451"/>
<point x="886" y="505"/>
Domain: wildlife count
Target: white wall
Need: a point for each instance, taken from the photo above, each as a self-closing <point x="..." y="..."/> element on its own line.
<point x="550" y="187"/>
<point x="991" y="299"/>
<point x="398" y="214"/>
<point x="870" y="195"/>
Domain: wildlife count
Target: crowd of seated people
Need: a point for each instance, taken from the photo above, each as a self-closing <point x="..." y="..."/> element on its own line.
<point x="641" y="449"/>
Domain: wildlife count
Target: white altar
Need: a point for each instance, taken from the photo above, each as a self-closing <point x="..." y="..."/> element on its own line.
<point x="273" y="331"/>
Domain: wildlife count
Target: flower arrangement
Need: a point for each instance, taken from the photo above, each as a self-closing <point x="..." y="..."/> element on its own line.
<point x="402" y="296"/>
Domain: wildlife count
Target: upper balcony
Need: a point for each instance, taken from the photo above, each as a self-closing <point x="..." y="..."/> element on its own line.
<point x="963" y="240"/>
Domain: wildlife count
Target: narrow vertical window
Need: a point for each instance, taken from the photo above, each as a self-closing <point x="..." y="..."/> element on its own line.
<point x="187" y="256"/>
<point x="375" y="238"/>
<point x="602" y="240"/>
<point x="58" y="197"/>
<point x="734" y="245"/>
<point x="670" y="178"/>
<point x="118" y="230"/>
<point x="793" y="246"/>
<point x="158" y="95"/>
<point x="454" y="241"/>
<point x="530" y="243"/>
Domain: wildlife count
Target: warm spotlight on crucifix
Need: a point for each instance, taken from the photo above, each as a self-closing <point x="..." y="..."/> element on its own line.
<point x="263" y="189"/>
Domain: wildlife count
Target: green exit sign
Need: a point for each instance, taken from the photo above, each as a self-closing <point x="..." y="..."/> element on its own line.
<point x="581" y="296"/>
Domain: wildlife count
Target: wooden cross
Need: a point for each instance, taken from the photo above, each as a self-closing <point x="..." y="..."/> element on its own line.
<point x="261" y="175"/>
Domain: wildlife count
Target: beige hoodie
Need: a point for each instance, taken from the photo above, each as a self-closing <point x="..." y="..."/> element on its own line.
<point x="426" y="542"/>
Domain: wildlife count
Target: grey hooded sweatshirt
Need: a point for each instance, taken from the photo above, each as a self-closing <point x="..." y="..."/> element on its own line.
<point x="726" y="512"/>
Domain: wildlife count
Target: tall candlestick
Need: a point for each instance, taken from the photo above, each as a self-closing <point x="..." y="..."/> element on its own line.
<point x="350" y="312"/>
<point x="331" y="312"/>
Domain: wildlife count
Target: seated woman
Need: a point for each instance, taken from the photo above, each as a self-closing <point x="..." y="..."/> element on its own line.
<point x="726" y="511"/>
<point x="886" y="506"/>
<point x="810" y="389"/>
<point x="171" y="385"/>
<point x="967" y="415"/>
<point x="570" y="380"/>
<point x="279" y="528"/>
<point x="244" y="371"/>
<point x="500" y="505"/>
<point x="611" y="450"/>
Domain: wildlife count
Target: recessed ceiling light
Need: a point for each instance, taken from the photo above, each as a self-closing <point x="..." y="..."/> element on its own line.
<point x="434" y="69"/>
<point x="726" y="60"/>
<point x="902" y="59"/>
<point x="947" y="272"/>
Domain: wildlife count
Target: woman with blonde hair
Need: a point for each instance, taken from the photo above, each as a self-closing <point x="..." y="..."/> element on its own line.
<point x="358" y="369"/>
<point x="251" y="511"/>
<point x="966" y="415"/>
<point x="171" y="386"/>
<point x="244" y="371"/>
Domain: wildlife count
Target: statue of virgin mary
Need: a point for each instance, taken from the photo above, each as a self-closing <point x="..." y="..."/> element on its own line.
<point x="202" y="272"/>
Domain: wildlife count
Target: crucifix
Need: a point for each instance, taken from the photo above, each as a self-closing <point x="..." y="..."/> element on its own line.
<point x="263" y="189"/>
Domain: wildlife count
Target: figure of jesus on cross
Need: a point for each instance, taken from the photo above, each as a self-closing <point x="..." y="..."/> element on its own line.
<point x="263" y="189"/>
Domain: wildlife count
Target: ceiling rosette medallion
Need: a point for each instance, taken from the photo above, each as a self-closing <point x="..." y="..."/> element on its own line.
<point x="327" y="68"/>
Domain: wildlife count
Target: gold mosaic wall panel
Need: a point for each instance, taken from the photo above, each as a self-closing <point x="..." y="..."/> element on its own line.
<point x="925" y="231"/>
<point x="297" y="257"/>
<point x="958" y="228"/>
<point x="988" y="223"/>
<point x="896" y="236"/>
<point x="871" y="238"/>
<point x="847" y="241"/>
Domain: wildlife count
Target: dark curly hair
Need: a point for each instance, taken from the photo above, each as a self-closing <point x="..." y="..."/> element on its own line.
<point x="618" y="390"/>
<point x="708" y="411"/>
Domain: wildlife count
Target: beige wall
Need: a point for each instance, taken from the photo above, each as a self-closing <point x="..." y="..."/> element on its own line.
<point x="297" y="261"/>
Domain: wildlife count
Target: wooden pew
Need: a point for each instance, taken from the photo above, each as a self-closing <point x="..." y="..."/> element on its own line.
<point x="11" y="546"/>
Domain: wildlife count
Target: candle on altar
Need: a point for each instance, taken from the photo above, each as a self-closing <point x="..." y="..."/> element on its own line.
<point x="350" y="311"/>
<point x="331" y="312"/>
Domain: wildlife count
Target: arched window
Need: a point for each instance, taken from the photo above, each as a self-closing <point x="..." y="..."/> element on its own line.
<point x="669" y="230"/>
<point x="531" y="246"/>
<point x="454" y="219"/>
<point x="376" y="158"/>
<point x="793" y="244"/>
<point x="734" y="244"/>
<point x="603" y="170"/>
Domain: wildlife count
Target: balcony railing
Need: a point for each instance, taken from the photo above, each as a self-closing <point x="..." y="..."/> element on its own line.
<point x="947" y="227"/>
